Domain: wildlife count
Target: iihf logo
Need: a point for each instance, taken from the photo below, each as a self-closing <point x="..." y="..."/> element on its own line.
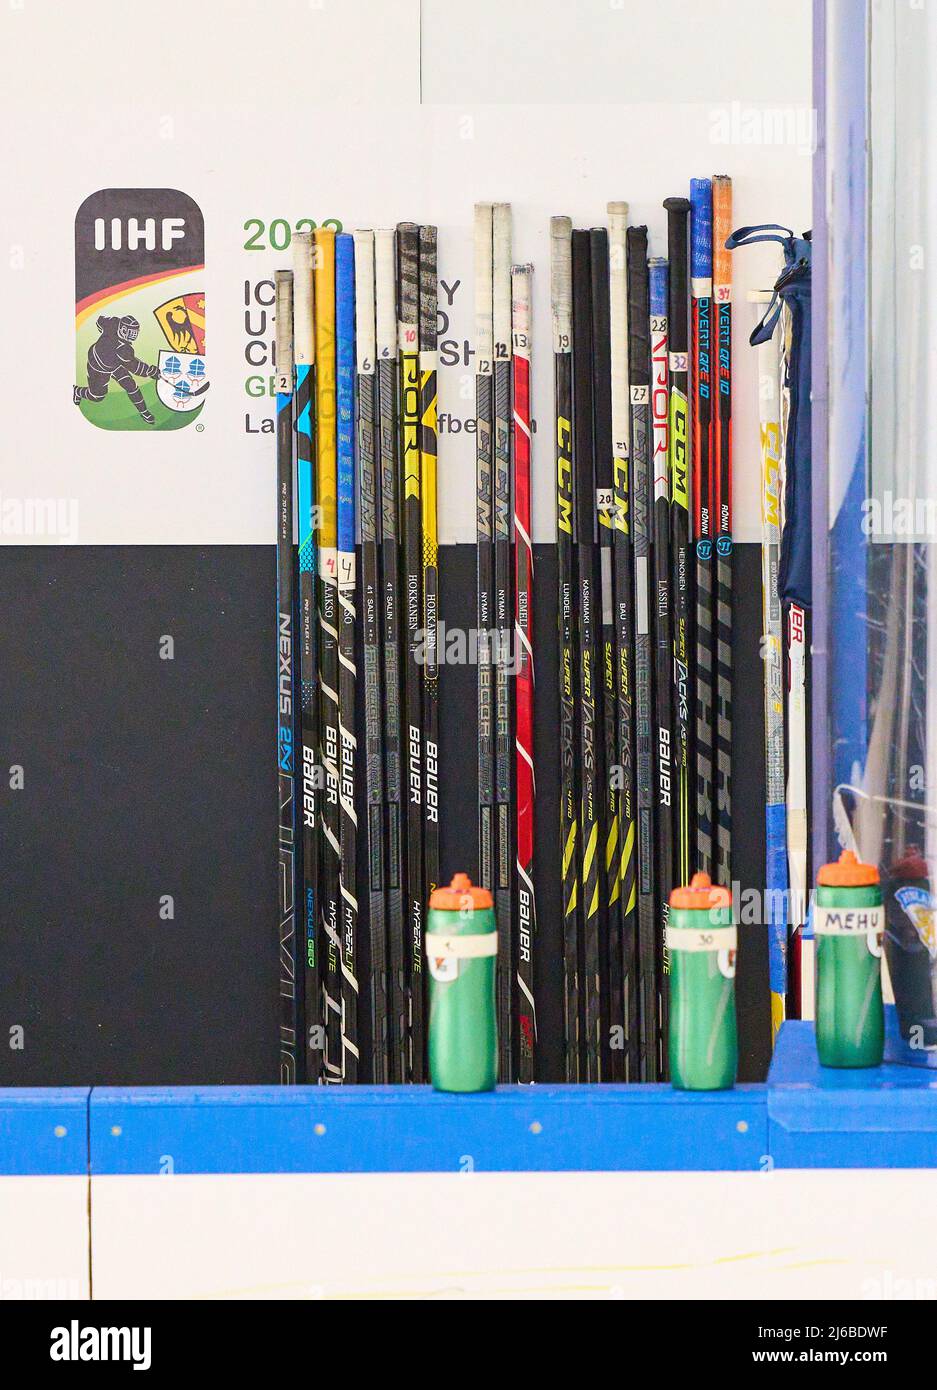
<point x="140" y="357"/>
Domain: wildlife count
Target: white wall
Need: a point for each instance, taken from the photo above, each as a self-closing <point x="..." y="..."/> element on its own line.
<point x="292" y="109"/>
<point x="573" y="52"/>
<point x="773" y="1235"/>
<point x="44" y="1238"/>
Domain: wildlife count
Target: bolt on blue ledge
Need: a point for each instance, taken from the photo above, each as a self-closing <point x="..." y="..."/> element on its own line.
<point x="44" y="1131"/>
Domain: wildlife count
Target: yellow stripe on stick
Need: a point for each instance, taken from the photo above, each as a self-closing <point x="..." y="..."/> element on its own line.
<point x="326" y="459"/>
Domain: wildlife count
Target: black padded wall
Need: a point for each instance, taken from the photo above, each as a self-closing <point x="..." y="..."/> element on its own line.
<point x="147" y="779"/>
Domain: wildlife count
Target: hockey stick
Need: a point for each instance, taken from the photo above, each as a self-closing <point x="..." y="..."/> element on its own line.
<point x="428" y="292"/>
<point x="722" y="451"/>
<point x="662" y="629"/>
<point x="408" y="296"/>
<point x="484" y="410"/>
<point x="525" y="781"/>
<point x="347" y="618"/>
<point x="561" y="298"/>
<point x="503" y="620"/>
<point x="386" y="319"/>
<point x="285" y="678"/>
<point x="324" y="282"/>
<point x="592" y="793"/>
<point x="624" y="631"/>
<point x="796" y="799"/>
<point x="304" y="353"/>
<point x="639" y="368"/>
<point x="368" y="501"/>
<point x="677" y="213"/>
<point x="701" y="469"/>
<point x="611" y="953"/>
<point x="773" y="654"/>
<point x="796" y="790"/>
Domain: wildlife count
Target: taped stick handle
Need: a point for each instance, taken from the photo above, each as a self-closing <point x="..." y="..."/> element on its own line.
<point x="428" y="289"/>
<point x="364" y="302"/>
<point x="701" y="237"/>
<point x="561" y="282"/>
<point x="501" y="281"/>
<point x="678" y="211"/>
<point x="722" y="227"/>
<point x="483" y="273"/>
<point x="284" y="331"/>
<point x="303" y="301"/>
<point x="386" y="308"/>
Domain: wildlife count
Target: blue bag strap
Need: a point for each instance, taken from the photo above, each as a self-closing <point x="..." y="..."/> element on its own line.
<point x="766" y="324"/>
<point x="765" y="231"/>
<point x="797" y="269"/>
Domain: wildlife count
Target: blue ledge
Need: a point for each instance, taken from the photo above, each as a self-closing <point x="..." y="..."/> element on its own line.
<point x="806" y="1117"/>
<point x="44" y="1131"/>
<point x="389" y="1130"/>
<point x="821" y="1117"/>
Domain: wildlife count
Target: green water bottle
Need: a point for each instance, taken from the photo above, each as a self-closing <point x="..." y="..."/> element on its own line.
<point x="848" y="923"/>
<point x="701" y="936"/>
<point x="461" y="948"/>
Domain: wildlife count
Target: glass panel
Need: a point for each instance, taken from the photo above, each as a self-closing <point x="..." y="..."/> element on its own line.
<point x="882" y="481"/>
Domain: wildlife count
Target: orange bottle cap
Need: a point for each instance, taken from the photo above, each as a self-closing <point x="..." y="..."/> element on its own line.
<point x="847" y="872"/>
<point x="702" y="894"/>
<point x="460" y="895"/>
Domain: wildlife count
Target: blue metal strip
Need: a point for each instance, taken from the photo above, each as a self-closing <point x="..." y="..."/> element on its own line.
<point x="807" y="1117"/>
<point x="43" y="1131"/>
<point x="414" y="1129"/>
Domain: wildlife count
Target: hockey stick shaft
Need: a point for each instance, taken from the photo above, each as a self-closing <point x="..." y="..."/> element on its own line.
<point x="561" y="298"/>
<point x="326" y="423"/>
<point x="611" y="955"/>
<point x="484" y="535"/>
<point x="304" y="354"/>
<point x="639" y="366"/>
<point x="387" y="371"/>
<point x="525" y="781"/>
<point x="769" y="413"/>
<point x="368" y="505"/>
<point x="677" y="326"/>
<point x="624" y="632"/>
<point x="662" y="637"/>
<point x="289" y="1021"/>
<point x="347" y="620"/>
<point x="428" y="446"/>
<point x="503" y="617"/>
<point x="797" y="647"/>
<point x="722" y="450"/>
<point x="408" y="294"/>
<point x="592" y="792"/>
<point x="702" y="473"/>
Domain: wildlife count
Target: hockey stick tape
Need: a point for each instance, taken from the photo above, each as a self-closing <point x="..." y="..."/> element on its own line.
<point x="847" y="921"/>
<point x="702" y="939"/>
<point x="476" y="947"/>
